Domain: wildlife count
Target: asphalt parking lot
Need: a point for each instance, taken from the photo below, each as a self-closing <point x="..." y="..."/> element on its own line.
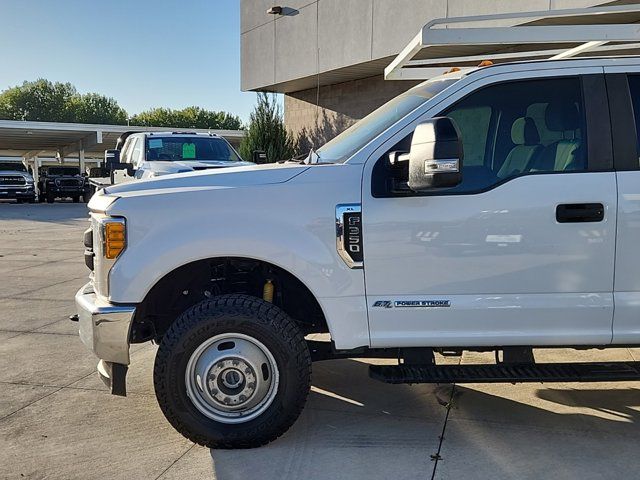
<point x="57" y="421"/>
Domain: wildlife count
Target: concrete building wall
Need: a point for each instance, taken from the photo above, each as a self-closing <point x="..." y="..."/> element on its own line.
<point x="339" y="106"/>
<point x="343" y="46"/>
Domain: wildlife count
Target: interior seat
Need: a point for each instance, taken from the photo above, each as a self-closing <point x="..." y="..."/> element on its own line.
<point x="526" y="138"/>
<point x="566" y="154"/>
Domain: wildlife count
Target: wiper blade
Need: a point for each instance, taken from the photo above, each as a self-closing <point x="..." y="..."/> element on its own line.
<point x="296" y="159"/>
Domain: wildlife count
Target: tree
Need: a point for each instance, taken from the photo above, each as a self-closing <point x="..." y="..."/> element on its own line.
<point x="190" y="117"/>
<point x="45" y="101"/>
<point x="41" y="100"/>
<point x="95" y="108"/>
<point x="267" y="132"/>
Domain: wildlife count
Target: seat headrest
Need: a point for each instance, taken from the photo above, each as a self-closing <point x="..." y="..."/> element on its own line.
<point x="524" y="132"/>
<point x="562" y="116"/>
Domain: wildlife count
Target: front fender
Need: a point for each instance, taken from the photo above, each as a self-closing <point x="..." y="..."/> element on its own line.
<point x="289" y="225"/>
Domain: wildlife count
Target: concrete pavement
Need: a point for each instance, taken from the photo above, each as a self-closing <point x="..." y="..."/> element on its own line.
<point x="57" y="421"/>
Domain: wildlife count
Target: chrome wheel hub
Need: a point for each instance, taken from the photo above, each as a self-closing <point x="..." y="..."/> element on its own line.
<point x="231" y="378"/>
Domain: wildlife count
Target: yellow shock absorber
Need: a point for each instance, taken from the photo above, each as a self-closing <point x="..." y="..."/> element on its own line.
<point x="267" y="291"/>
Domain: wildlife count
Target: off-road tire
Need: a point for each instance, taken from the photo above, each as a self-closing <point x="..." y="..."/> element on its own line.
<point x="50" y="199"/>
<point x="246" y="315"/>
<point x="75" y="199"/>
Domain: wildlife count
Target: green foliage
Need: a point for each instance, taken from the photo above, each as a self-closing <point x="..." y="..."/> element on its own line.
<point x="190" y="117"/>
<point x="266" y="131"/>
<point x="95" y="108"/>
<point x="45" y="101"/>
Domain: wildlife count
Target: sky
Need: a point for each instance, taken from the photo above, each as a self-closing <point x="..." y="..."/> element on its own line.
<point x="143" y="53"/>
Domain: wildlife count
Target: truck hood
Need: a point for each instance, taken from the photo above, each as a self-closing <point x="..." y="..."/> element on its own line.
<point x="168" y="167"/>
<point x="229" y="177"/>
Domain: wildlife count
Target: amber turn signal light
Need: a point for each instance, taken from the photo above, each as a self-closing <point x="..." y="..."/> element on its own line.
<point x="114" y="235"/>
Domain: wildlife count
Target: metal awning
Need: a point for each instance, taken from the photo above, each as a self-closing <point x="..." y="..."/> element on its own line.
<point x="465" y="41"/>
<point x="28" y="139"/>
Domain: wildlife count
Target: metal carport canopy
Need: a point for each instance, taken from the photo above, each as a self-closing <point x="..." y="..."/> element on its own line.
<point x="28" y="139"/>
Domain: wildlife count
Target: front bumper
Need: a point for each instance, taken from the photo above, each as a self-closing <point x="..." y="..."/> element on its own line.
<point x="17" y="193"/>
<point x="104" y="327"/>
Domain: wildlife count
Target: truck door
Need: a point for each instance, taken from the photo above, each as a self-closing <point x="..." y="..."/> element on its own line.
<point x="623" y="86"/>
<point x="522" y="251"/>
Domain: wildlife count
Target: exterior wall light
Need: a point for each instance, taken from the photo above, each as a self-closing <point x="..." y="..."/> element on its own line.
<point x="277" y="10"/>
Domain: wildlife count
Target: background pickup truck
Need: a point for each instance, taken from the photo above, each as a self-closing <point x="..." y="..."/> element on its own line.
<point x="143" y="155"/>
<point x="16" y="183"/>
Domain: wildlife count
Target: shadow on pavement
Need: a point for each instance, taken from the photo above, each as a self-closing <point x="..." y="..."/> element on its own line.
<point x="65" y="213"/>
<point x="354" y="427"/>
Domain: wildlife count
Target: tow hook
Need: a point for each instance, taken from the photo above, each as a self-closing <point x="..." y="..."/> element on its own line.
<point x="74" y="317"/>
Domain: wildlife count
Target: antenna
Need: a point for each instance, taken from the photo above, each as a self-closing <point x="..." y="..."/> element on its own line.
<point x="317" y="68"/>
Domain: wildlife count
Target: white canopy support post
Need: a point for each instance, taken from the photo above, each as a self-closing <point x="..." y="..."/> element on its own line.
<point x="460" y="41"/>
<point x="36" y="174"/>
<point x="81" y="161"/>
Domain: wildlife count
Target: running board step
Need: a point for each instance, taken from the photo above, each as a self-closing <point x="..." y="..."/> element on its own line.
<point x="502" y="373"/>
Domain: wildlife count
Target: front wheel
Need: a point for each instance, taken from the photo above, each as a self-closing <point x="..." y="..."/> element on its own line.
<point x="232" y="372"/>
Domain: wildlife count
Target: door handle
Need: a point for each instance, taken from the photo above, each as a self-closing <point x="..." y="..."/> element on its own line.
<point x="579" y="212"/>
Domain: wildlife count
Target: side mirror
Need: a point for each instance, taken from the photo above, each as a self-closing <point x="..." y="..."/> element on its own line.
<point x="111" y="157"/>
<point x="112" y="162"/>
<point x="435" y="158"/>
<point x="259" y="156"/>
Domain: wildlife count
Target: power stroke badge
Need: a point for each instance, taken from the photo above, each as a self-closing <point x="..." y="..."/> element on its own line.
<point x="412" y="303"/>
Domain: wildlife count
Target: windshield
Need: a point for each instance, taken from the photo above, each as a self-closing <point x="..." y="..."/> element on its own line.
<point x="63" y="171"/>
<point x="174" y="149"/>
<point x="359" y="134"/>
<point x="14" y="166"/>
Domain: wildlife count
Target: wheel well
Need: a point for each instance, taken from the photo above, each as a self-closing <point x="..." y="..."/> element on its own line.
<point x="195" y="281"/>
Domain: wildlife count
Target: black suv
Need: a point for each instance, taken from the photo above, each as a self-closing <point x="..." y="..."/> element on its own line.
<point x="62" y="182"/>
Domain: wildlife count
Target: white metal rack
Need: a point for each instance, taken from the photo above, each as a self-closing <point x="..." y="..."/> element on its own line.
<point x="464" y="41"/>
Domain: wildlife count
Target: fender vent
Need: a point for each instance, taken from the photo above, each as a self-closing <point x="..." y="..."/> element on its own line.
<point x="349" y="234"/>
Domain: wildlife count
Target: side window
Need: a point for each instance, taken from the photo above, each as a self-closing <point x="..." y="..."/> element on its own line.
<point x="520" y="127"/>
<point x="473" y="119"/>
<point x="634" y="88"/>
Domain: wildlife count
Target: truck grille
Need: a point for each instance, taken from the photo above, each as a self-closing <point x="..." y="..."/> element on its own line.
<point x="67" y="182"/>
<point x="10" y="180"/>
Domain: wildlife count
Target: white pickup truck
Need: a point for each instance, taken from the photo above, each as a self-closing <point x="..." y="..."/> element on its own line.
<point x="489" y="209"/>
<point x="142" y="155"/>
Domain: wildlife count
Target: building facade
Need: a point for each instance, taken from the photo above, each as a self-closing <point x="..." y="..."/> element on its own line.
<point x="327" y="56"/>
